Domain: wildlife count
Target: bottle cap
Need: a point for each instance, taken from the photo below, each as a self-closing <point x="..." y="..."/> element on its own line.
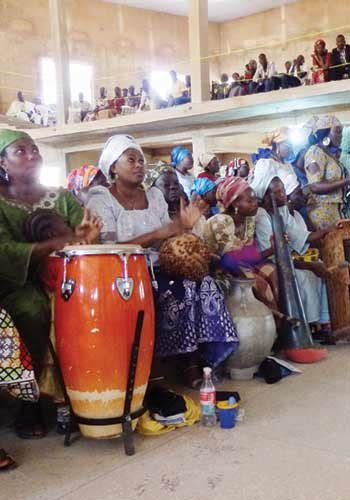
<point x="207" y="370"/>
<point x="225" y="405"/>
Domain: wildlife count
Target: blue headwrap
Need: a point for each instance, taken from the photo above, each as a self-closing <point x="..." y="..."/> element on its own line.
<point x="202" y="186"/>
<point x="262" y="153"/>
<point x="178" y="154"/>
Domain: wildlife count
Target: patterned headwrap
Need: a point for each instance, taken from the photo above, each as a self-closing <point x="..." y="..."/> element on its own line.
<point x="81" y="178"/>
<point x="230" y="189"/>
<point x="205" y="159"/>
<point x="202" y="185"/>
<point x="277" y="136"/>
<point x="178" y="154"/>
<point x="113" y="149"/>
<point x="154" y="171"/>
<point x="310" y="125"/>
<point x="8" y="136"/>
<point x="327" y="121"/>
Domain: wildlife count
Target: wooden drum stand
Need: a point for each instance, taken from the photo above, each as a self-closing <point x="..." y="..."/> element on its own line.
<point x="334" y="256"/>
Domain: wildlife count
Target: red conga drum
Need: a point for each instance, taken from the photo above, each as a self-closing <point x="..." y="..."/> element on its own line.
<point x="99" y="290"/>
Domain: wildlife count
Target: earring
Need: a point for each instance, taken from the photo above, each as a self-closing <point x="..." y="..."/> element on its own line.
<point x="326" y="142"/>
<point x="4" y="176"/>
<point x="236" y="210"/>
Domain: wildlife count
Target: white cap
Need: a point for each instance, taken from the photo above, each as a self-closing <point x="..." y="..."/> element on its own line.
<point x="207" y="370"/>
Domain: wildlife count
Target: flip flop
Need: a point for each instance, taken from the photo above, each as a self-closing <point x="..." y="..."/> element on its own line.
<point x="6" y="461"/>
<point x="29" y="428"/>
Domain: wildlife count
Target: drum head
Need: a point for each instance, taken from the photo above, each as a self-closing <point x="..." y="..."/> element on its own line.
<point x="118" y="249"/>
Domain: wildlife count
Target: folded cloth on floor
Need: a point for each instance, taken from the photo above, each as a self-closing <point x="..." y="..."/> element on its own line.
<point x="164" y="402"/>
<point x="147" y="426"/>
<point x="172" y="420"/>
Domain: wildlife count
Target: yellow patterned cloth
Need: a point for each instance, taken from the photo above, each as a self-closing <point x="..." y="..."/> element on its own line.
<point x="324" y="209"/>
<point x="219" y="234"/>
<point x="311" y="255"/>
<point x="147" y="426"/>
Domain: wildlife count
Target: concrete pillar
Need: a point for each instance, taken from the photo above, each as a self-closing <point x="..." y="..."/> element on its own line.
<point x="198" y="36"/>
<point x="61" y="57"/>
<point x="199" y="146"/>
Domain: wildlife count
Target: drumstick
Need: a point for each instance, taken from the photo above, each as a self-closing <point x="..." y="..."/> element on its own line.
<point x="293" y="321"/>
<point x="342" y="265"/>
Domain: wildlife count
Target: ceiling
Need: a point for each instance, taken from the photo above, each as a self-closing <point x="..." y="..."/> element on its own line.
<point x="219" y="10"/>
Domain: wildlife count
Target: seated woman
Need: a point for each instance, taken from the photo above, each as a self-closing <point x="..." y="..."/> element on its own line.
<point x="206" y="190"/>
<point x="81" y="179"/>
<point x="210" y="165"/>
<point x="230" y="236"/>
<point x="163" y="177"/>
<point x="321" y="60"/>
<point x="182" y="161"/>
<point x="192" y="319"/>
<point x="266" y="183"/>
<point x="21" y="294"/>
<point x="326" y="174"/>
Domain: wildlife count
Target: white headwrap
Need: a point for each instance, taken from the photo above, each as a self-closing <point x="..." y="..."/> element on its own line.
<point x="205" y="159"/>
<point x="264" y="172"/>
<point x="290" y="183"/>
<point x="113" y="149"/>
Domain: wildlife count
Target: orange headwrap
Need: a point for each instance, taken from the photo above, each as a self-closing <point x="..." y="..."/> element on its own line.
<point x="230" y="189"/>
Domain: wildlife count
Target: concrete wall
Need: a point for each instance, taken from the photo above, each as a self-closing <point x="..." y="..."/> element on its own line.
<point x="122" y="43"/>
<point x="283" y="33"/>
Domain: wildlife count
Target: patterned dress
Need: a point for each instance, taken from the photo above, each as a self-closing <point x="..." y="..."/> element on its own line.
<point x="190" y="316"/>
<point x="240" y="256"/>
<point x="324" y="209"/>
<point x="16" y="370"/>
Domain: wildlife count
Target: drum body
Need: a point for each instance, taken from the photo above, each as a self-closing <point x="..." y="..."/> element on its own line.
<point x="95" y="324"/>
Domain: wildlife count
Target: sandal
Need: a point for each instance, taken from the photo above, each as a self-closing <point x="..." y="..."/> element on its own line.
<point x="193" y="377"/>
<point x="29" y="423"/>
<point x="27" y="427"/>
<point x="6" y="462"/>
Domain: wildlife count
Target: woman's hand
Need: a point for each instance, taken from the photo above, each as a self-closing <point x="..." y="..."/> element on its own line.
<point x="89" y="229"/>
<point x="191" y="214"/>
<point x="319" y="269"/>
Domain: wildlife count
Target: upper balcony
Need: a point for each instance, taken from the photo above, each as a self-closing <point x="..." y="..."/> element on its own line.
<point x="256" y="113"/>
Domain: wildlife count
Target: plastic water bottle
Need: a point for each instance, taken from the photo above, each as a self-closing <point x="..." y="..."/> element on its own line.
<point x="208" y="399"/>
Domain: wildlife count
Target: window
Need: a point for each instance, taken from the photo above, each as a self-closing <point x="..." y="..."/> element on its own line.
<point x="161" y="82"/>
<point x="80" y="80"/>
<point x="48" y="79"/>
<point x="51" y="176"/>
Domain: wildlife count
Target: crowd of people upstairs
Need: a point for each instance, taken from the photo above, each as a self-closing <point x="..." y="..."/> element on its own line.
<point x="264" y="76"/>
<point x="258" y="76"/>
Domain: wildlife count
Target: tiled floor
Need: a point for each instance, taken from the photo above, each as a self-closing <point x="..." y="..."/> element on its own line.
<point x="293" y="444"/>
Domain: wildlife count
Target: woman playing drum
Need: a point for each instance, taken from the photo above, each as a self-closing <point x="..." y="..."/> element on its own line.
<point x="191" y="319"/>
<point x="20" y="291"/>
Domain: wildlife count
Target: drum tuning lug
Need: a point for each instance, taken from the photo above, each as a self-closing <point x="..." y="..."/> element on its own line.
<point x="67" y="289"/>
<point x="125" y="287"/>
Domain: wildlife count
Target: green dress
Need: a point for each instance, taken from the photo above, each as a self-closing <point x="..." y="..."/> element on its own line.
<point x="21" y="293"/>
